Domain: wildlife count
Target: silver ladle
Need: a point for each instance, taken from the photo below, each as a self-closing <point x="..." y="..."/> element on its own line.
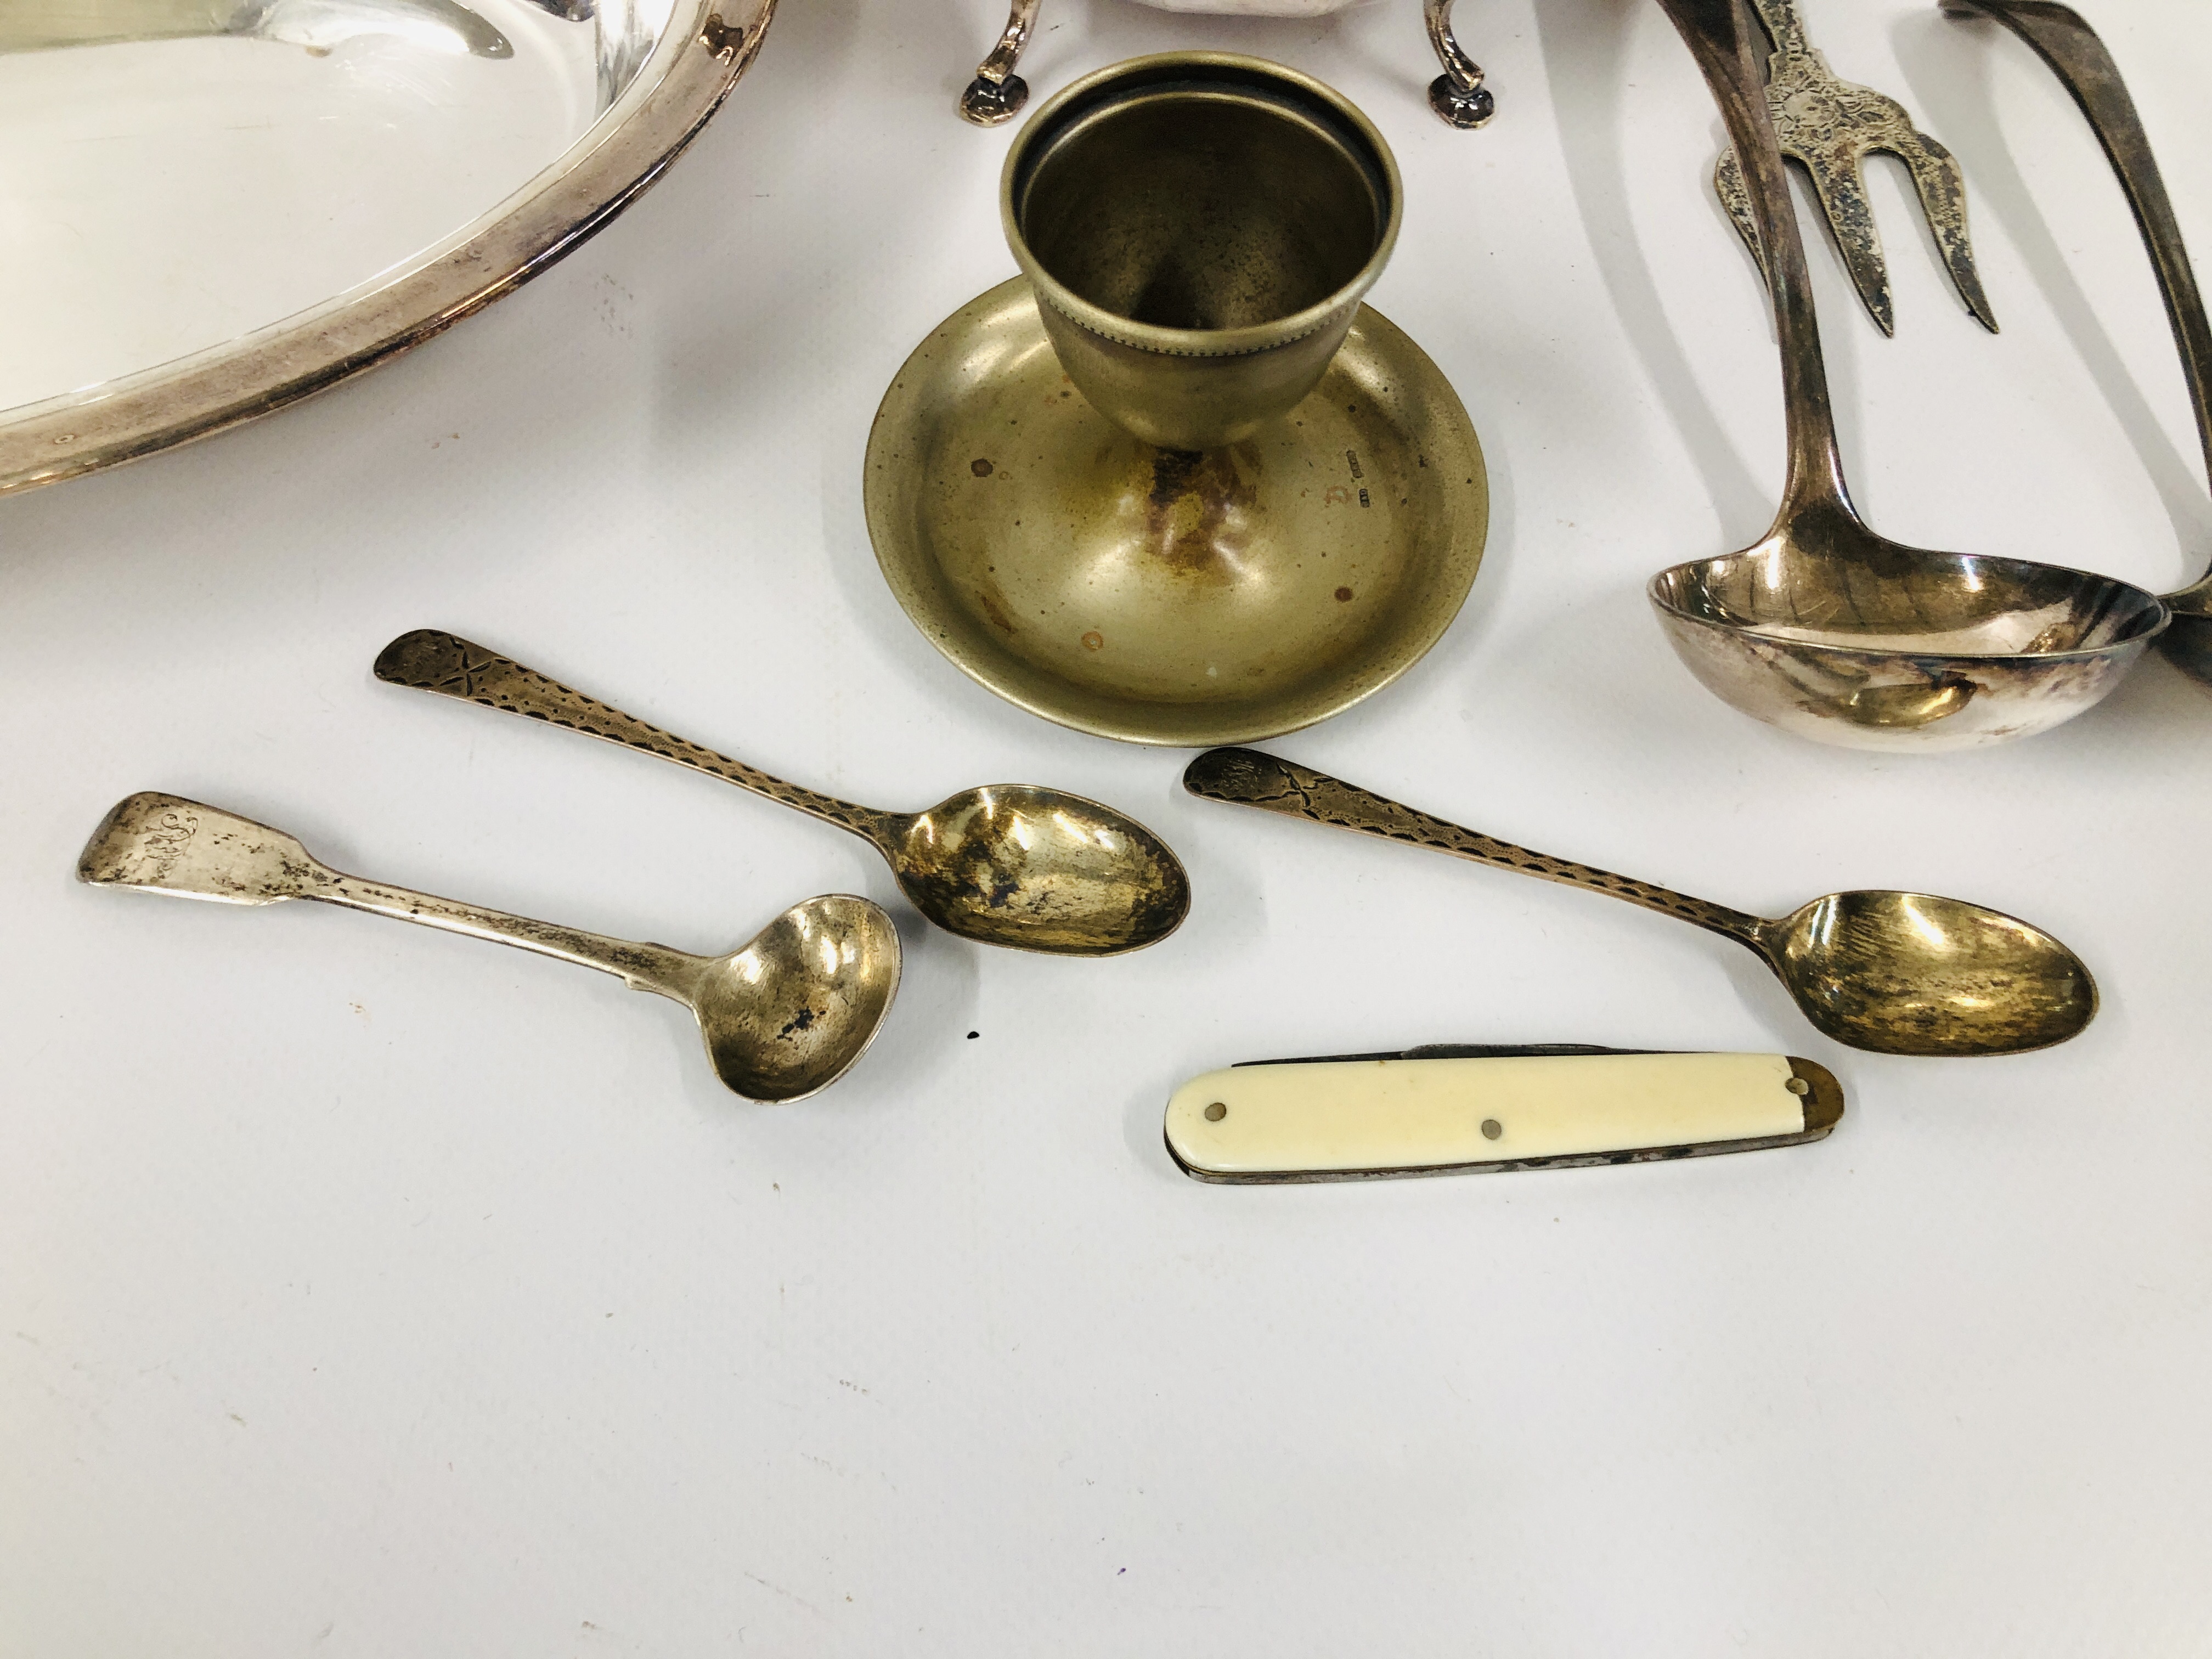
<point x="1823" y="627"/>
<point x="784" y="1017"/>
<point x="2085" y="69"/>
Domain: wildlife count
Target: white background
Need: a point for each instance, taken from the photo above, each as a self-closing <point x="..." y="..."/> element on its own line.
<point x="371" y="1291"/>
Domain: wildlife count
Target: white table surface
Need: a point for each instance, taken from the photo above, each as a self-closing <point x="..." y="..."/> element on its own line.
<point x="370" y="1292"/>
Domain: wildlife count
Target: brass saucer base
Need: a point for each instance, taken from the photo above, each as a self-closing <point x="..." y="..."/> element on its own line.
<point x="1158" y="596"/>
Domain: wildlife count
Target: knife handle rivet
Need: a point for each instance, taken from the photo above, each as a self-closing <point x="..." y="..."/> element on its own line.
<point x="1492" y="1128"/>
<point x="1216" y="1112"/>
<point x="1797" y="1086"/>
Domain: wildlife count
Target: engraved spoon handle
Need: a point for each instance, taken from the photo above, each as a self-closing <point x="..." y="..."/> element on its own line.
<point x="430" y="660"/>
<point x="1246" y="777"/>
<point x="1719" y="36"/>
<point x="166" y="844"/>
<point x="2059" y="36"/>
<point x="657" y="968"/>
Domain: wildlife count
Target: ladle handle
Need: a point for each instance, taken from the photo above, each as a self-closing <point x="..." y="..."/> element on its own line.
<point x="161" y="843"/>
<point x="1723" y="41"/>
<point x="1246" y="777"/>
<point x="2058" y="35"/>
<point x="657" y="968"/>
<point x="452" y="667"/>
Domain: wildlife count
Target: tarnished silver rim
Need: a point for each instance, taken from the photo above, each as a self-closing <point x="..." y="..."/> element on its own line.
<point x="707" y="47"/>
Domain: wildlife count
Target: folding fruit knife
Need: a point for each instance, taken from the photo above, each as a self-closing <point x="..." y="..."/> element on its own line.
<point x="1448" y="1108"/>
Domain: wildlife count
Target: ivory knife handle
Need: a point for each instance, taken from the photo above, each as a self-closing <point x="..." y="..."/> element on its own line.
<point x="1349" y="1119"/>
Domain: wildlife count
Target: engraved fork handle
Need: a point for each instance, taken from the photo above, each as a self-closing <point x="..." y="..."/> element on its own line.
<point x="430" y="660"/>
<point x="1245" y="777"/>
<point x="1719" y="38"/>
<point x="2059" y="36"/>
<point x="1784" y="27"/>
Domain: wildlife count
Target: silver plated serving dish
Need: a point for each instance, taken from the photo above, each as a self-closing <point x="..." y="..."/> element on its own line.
<point x="228" y="204"/>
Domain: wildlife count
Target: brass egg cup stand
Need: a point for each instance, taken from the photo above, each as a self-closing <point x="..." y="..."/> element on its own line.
<point x="1162" y="596"/>
<point x="1175" y="483"/>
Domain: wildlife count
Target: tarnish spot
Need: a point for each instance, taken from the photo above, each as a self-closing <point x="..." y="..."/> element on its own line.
<point x="1195" y="509"/>
<point x="721" y="38"/>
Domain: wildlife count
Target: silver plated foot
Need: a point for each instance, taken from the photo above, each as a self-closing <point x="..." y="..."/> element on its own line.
<point x="1457" y="95"/>
<point x="996" y="96"/>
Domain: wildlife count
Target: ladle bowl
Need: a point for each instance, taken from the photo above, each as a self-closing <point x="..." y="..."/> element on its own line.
<point x="786" y="1016"/>
<point x="1888" y="648"/>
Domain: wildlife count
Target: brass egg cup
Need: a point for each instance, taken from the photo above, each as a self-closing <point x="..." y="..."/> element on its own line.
<point x="1199" y="228"/>
<point x="1176" y="484"/>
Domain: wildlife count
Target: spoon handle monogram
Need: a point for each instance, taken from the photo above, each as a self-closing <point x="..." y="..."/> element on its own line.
<point x="1246" y="777"/>
<point x="430" y="660"/>
<point x="166" y="844"/>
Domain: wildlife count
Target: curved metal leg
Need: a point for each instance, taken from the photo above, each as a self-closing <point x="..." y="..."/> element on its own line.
<point x="1458" y="94"/>
<point x="997" y="93"/>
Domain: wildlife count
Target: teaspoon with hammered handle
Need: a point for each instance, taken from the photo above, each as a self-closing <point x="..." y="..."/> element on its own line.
<point x="783" y="1016"/>
<point x="1015" y="864"/>
<point x="1893" y="973"/>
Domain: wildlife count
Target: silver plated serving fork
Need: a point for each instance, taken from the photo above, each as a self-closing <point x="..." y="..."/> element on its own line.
<point x="1829" y="127"/>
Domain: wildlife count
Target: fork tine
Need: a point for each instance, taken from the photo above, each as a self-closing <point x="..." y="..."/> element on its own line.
<point x="1943" y="201"/>
<point x="1841" y="189"/>
<point x="1829" y="126"/>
